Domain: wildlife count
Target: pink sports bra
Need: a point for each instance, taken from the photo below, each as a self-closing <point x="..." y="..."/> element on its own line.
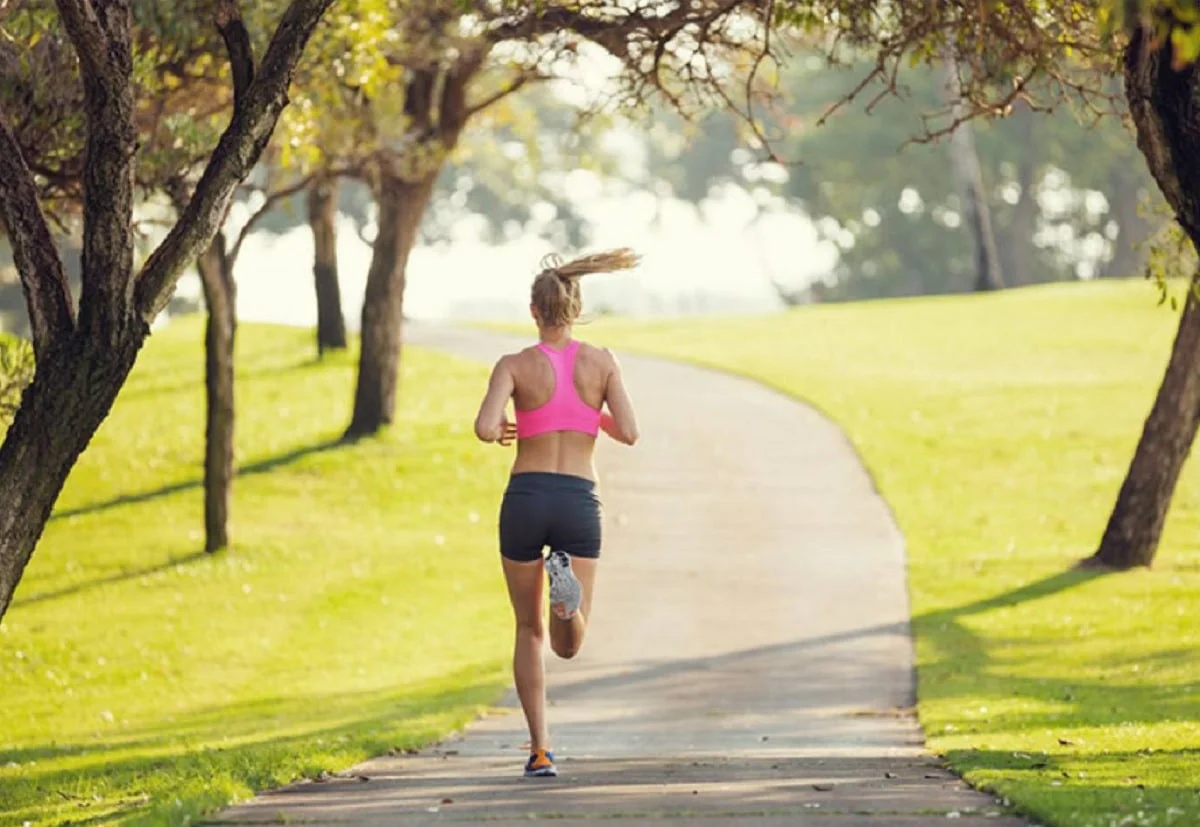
<point x="565" y="411"/>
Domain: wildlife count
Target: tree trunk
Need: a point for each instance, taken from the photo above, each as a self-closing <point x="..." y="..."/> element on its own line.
<point x="1128" y="259"/>
<point x="322" y="218"/>
<point x="964" y="160"/>
<point x="1018" y="256"/>
<point x="71" y="394"/>
<point x="401" y="205"/>
<point x="216" y="274"/>
<point x="1161" y="102"/>
<point x="1136" y="523"/>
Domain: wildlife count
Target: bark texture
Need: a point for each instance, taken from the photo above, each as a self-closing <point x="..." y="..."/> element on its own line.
<point x="43" y="277"/>
<point x="220" y="295"/>
<point x="70" y="396"/>
<point x="402" y="204"/>
<point x="322" y="218"/>
<point x="1165" y="109"/>
<point x="82" y="365"/>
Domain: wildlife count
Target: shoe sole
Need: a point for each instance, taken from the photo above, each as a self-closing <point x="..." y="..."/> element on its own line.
<point x="544" y="772"/>
<point x="564" y="585"/>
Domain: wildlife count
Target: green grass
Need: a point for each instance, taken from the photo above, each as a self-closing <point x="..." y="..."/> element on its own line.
<point x="999" y="429"/>
<point x="361" y="607"/>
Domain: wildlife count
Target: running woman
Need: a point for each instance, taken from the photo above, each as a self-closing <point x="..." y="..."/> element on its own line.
<point x="564" y="392"/>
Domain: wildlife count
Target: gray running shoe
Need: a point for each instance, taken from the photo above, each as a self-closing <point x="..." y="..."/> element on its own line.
<point x="566" y="594"/>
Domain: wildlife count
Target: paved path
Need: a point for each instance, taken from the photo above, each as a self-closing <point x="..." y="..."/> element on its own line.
<point x="749" y="659"/>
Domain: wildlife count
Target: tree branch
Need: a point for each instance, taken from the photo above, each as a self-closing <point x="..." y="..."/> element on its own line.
<point x="238" y="151"/>
<point x="237" y="43"/>
<point x="272" y="200"/>
<point x="612" y="33"/>
<point x="43" y="280"/>
<point x="418" y="98"/>
<point x="83" y="27"/>
<point x="102" y="37"/>
<point x="273" y="197"/>
<point x="603" y="32"/>
<point x="514" y="85"/>
<point x="452" y="110"/>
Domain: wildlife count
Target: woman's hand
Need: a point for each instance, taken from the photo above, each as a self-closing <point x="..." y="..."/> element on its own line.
<point x="508" y="433"/>
<point x="491" y="423"/>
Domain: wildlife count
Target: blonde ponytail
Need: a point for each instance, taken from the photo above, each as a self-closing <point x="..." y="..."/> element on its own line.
<point x="555" y="294"/>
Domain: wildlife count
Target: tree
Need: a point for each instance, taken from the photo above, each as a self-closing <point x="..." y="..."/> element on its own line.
<point x="84" y="357"/>
<point x="1072" y="50"/>
<point x="891" y="205"/>
<point x="507" y="171"/>
<point x="1163" y="87"/>
<point x="964" y="161"/>
<point x="322" y="204"/>
<point x="454" y="62"/>
<point x="215" y="267"/>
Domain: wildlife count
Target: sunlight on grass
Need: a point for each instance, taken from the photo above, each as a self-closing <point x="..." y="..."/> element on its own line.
<point x="999" y="429"/>
<point x="361" y="607"/>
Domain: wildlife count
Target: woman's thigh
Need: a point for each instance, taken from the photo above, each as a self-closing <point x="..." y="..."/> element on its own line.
<point x="526" y="581"/>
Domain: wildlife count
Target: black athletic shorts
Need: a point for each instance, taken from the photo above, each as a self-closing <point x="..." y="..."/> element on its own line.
<point x="556" y="510"/>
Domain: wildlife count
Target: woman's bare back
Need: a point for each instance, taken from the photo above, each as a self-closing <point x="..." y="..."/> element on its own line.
<point x="560" y="452"/>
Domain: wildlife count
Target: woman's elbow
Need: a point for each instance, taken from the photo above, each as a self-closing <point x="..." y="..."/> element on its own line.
<point x="629" y="435"/>
<point x="484" y="433"/>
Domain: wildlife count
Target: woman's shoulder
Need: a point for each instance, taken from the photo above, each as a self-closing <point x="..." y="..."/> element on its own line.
<point x="596" y="353"/>
<point x="516" y="357"/>
<point x="593" y="348"/>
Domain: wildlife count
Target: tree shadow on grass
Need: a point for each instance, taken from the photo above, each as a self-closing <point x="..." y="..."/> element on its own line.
<point x="262" y="466"/>
<point x="1110" y="785"/>
<point x="967" y="666"/>
<point x="128" y="574"/>
<point x="151" y="386"/>
<point x="260" y="743"/>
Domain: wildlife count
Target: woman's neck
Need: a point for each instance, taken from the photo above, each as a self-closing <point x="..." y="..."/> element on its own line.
<point x="555" y="337"/>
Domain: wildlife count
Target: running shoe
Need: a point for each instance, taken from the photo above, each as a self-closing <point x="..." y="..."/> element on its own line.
<point x="566" y="594"/>
<point x="540" y="765"/>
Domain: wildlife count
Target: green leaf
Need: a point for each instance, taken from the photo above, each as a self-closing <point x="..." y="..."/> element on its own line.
<point x="1185" y="46"/>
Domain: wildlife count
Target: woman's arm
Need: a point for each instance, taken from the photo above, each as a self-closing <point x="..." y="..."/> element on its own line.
<point x="620" y="423"/>
<point x="491" y="424"/>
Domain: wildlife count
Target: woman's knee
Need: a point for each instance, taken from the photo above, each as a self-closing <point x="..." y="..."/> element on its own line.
<point x="534" y="629"/>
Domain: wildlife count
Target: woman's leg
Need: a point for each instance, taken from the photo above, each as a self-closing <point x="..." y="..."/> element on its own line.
<point x="566" y="636"/>
<point x="525" y="591"/>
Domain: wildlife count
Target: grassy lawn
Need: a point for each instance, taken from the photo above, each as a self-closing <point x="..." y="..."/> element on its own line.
<point x="361" y="608"/>
<point x="999" y="429"/>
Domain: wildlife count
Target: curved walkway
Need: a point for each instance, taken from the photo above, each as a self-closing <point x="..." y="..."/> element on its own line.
<point x="748" y="661"/>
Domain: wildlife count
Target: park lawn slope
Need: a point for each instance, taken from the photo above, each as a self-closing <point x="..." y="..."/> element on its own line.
<point x="360" y="609"/>
<point x="999" y="429"/>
